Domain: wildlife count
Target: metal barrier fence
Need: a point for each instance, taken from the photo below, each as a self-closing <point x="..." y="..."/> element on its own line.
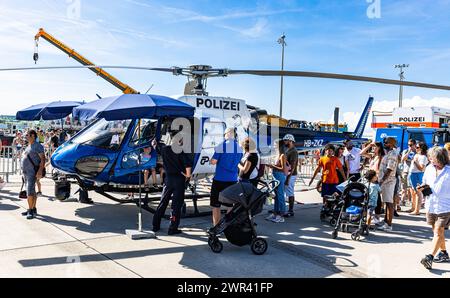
<point x="306" y="168"/>
<point x="9" y="161"/>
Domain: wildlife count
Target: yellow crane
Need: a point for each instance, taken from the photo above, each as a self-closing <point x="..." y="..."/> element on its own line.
<point x="84" y="61"/>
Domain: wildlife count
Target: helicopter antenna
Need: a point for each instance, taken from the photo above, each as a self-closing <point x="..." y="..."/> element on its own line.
<point x="149" y="88"/>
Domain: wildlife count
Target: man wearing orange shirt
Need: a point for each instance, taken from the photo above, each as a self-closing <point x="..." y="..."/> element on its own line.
<point x="329" y="165"/>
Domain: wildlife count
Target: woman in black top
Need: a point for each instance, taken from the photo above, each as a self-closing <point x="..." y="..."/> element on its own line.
<point x="248" y="168"/>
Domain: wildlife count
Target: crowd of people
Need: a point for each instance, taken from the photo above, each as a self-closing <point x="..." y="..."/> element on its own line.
<point x="418" y="177"/>
<point x="50" y="139"/>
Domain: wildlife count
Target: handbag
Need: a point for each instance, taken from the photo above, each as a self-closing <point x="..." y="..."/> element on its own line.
<point x="426" y="190"/>
<point x="36" y="167"/>
<point x="23" y="193"/>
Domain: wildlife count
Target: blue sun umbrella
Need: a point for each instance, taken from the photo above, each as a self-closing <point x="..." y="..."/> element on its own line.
<point x="133" y="106"/>
<point x="47" y="111"/>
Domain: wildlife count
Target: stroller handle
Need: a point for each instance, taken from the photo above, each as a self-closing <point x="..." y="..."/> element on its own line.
<point x="268" y="186"/>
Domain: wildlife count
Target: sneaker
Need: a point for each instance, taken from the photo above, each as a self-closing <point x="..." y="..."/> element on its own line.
<point x="30" y="214"/>
<point x="270" y="217"/>
<point x="385" y="227"/>
<point x="388" y="228"/>
<point x="34" y="210"/>
<point x="278" y="219"/>
<point x="427" y="262"/>
<point x="441" y="257"/>
<point x="38" y="194"/>
<point x="174" y="232"/>
<point x="289" y="214"/>
<point x="26" y="212"/>
<point x="396" y="214"/>
<point x="375" y="221"/>
<point x="380" y="223"/>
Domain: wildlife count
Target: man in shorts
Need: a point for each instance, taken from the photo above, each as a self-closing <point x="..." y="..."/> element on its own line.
<point x="226" y="158"/>
<point x="388" y="180"/>
<point x="33" y="162"/>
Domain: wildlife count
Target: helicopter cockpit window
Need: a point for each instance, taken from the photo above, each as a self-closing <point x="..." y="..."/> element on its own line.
<point x="213" y="134"/>
<point x="104" y="134"/>
<point x="145" y="132"/>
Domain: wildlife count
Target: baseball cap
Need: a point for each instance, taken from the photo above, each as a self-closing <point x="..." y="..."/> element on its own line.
<point x="289" y="137"/>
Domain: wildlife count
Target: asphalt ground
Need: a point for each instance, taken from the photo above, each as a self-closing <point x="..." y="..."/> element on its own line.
<point x="70" y="239"/>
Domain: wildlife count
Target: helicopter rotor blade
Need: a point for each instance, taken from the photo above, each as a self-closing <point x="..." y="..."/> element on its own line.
<point x="89" y="66"/>
<point x="226" y="72"/>
<point x="307" y="74"/>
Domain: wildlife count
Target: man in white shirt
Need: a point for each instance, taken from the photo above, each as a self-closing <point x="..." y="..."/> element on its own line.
<point x="353" y="155"/>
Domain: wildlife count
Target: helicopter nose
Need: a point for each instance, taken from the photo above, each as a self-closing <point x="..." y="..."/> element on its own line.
<point x="64" y="158"/>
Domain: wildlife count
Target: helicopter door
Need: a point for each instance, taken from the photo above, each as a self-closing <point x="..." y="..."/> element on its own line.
<point x="138" y="154"/>
<point x="212" y="136"/>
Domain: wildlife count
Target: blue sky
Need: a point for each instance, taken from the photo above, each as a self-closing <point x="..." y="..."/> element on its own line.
<point x="327" y="36"/>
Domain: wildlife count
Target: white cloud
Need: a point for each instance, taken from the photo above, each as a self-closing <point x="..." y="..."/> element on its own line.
<point x="258" y="30"/>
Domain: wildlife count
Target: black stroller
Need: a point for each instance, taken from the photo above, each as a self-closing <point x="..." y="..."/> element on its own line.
<point x="353" y="205"/>
<point x="331" y="209"/>
<point x="238" y="225"/>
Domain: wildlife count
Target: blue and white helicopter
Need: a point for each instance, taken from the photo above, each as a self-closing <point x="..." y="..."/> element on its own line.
<point x="104" y="157"/>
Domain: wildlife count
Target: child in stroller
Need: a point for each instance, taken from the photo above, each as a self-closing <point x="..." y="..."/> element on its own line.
<point x="353" y="206"/>
<point x="237" y="224"/>
<point x="332" y="207"/>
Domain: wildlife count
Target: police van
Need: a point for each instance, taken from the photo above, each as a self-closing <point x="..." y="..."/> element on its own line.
<point x="423" y="124"/>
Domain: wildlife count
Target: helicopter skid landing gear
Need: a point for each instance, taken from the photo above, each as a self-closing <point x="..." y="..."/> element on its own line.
<point x="83" y="197"/>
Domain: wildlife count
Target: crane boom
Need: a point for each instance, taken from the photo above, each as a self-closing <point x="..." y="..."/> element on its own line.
<point x="84" y="61"/>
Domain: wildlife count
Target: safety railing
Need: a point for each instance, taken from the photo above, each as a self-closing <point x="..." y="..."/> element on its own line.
<point x="9" y="161"/>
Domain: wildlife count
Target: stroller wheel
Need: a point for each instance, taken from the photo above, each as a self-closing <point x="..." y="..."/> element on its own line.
<point x="215" y="245"/>
<point x="322" y="216"/>
<point x="334" y="234"/>
<point x="356" y="236"/>
<point x="365" y="231"/>
<point x="211" y="240"/>
<point x="333" y="222"/>
<point x="259" y="246"/>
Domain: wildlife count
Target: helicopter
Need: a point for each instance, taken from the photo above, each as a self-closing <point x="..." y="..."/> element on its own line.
<point x="105" y="169"/>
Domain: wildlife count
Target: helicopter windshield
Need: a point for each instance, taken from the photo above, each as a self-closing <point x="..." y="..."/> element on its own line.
<point x="104" y="134"/>
<point x="145" y="132"/>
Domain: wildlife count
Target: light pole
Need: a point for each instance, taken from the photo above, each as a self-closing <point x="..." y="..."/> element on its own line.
<point x="282" y="41"/>
<point x="402" y="78"/>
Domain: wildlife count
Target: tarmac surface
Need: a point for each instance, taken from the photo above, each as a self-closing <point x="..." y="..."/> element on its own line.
<point x="69" y="239"/>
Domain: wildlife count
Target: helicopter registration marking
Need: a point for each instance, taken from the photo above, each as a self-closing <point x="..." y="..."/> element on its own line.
<point x="313" y="143"/>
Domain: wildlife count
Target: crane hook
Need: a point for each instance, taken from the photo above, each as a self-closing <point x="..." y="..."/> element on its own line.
<point x="36" y="54"/>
